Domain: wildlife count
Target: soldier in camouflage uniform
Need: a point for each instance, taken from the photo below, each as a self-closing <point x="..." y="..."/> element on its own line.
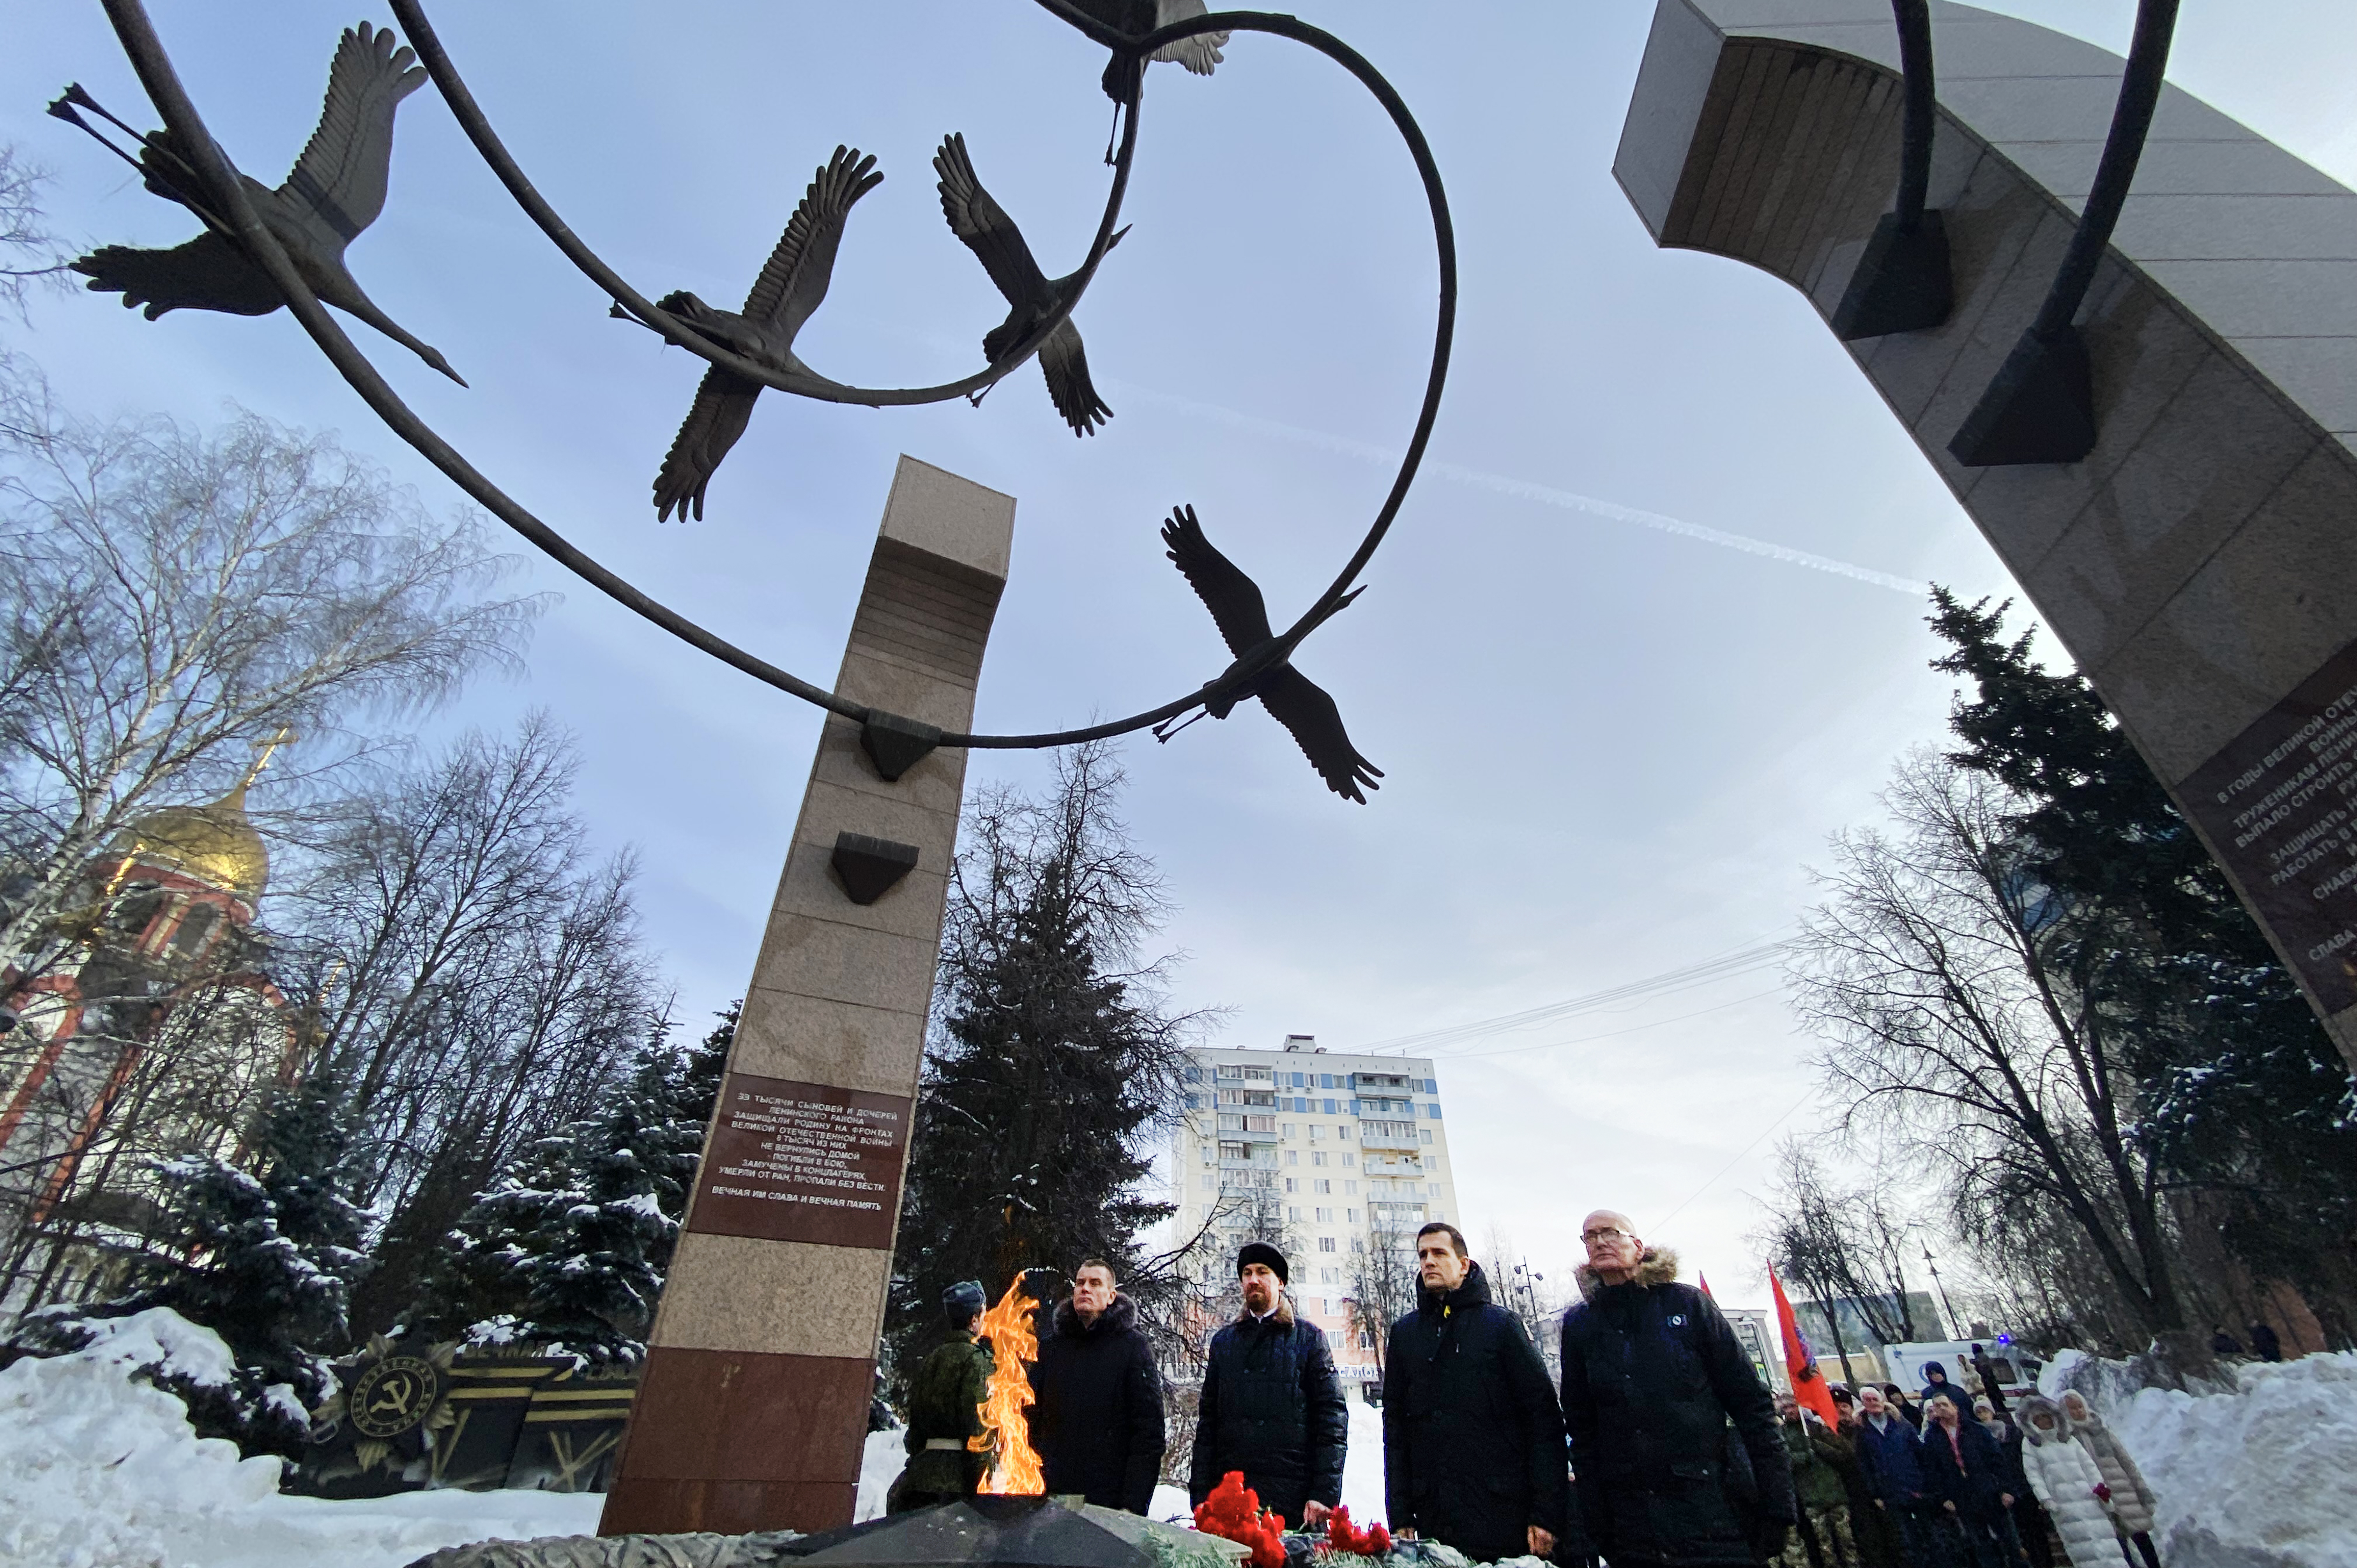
<point x="943" y="1400"/>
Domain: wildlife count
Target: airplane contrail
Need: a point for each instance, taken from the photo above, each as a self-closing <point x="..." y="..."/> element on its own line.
<point x="1522" y="489"/>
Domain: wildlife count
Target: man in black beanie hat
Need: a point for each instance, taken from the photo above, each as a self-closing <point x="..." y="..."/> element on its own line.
<point x="945" y="1401"/>
<point x="1271" y="1405"/>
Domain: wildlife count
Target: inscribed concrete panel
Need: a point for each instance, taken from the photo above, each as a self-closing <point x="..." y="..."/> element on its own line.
<point x="755" y="1400"/>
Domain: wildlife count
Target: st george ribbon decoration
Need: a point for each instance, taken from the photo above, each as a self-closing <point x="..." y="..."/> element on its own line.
<point x="263" y="248"/>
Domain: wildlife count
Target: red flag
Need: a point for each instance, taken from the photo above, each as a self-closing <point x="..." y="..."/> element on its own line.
<point x="1705" y="1286"/>
<point x="1808" y="1384"/>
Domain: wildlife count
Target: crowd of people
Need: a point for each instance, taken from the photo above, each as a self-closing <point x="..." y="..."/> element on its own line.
<point x="1659" y="1447"/>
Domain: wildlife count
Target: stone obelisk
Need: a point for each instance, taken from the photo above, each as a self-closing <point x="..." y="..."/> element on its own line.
<point x="753" y="1408"/>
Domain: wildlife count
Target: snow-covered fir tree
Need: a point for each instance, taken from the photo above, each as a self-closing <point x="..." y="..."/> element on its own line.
<point x="566" y="1251"/>
<point x="263" y="1257"/>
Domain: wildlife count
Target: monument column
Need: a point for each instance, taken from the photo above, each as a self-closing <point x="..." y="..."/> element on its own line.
<point x="753" y="1409"/>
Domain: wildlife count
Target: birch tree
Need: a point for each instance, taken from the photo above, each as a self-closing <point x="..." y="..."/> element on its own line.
<point x="172" y="599"/>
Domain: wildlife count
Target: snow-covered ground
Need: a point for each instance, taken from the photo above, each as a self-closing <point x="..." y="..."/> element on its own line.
<point x="2265" y="1477"/>
<point x="98" y="1471"/>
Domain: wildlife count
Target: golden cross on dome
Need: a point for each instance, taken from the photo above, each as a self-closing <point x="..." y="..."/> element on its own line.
<point x="262" y="760"/>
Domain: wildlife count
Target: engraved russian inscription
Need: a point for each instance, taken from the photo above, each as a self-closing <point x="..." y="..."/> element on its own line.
<point x="2278" y="805"/>
<point x="802" y="1161"/>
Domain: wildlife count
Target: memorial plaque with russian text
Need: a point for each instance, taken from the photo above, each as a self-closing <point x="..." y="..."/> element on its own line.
<point x="802" y="1161"/>
<point x="2279" y="805"/>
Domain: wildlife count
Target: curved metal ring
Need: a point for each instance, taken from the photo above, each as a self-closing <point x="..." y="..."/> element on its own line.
<point x="161" y="80"/>
<point x="471" y="119"/>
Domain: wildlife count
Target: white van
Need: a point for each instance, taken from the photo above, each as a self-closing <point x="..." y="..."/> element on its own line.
<point x="2017" y="1366"/>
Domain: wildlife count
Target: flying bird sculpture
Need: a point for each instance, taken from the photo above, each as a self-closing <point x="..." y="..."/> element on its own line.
<point x="992" y="235"/>
<point x="1123" y="73"/>
<point x="792" y="285"/>
<point x="1292" y="699"/>
<point x="337" y="189"/>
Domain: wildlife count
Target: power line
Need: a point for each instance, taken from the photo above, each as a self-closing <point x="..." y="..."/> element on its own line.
<point x="1610" y="1034"/>
<point x="1745" y="959"/>
<point x="1806" y="1095"/>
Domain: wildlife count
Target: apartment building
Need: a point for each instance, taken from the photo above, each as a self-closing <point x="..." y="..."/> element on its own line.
<point x="1333" y="1154"/>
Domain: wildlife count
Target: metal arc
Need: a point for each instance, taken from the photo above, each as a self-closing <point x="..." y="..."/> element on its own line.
<point x="478" y="127"/>
<point x="161" y="80"/>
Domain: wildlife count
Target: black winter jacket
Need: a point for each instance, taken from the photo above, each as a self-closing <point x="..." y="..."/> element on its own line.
<point x="1651" y="1377"/>
<point x="1271" y="1408"/>
<point x="1974" y="1484"/>
<point x="1473" y="1449"/>
<point x="1096" y="1418"/>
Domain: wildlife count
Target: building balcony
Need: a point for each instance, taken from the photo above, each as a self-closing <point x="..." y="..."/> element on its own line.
<point x="1393" y="1164"/>
<point x="1372" y="1139"/>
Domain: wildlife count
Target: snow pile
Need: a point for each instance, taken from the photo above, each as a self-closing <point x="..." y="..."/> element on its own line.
<point x="1363" y="1466"/>
<point x="98" y="1470"/>
<point x="2265" y="1477"/>
<point x="880" y="1466"/>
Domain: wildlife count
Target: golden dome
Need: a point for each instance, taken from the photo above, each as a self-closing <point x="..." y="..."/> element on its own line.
<point x="215" y="843"/>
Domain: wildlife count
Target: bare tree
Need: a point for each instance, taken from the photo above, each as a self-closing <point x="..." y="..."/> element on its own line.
<point x="171" y="600"/>
<point x="1383" y="1287"/>
<point x="29" y="254"/>
<point x="1807" y="1242"/>
<point x="479" y="980"/>
<point x="1526" y="1292"/>
<point x="1952" y="1035"/>
<point x="450" y="954"/>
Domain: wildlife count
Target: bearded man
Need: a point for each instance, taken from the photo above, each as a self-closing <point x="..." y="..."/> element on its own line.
<point x="1271" y="1405"/>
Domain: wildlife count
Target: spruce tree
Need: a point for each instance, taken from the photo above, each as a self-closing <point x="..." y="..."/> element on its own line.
<point x="265" y="1260"/>
<point x="2241" y="1095"/>
<point x="1052" y="1061"/>
<point x="566" y="1251"/>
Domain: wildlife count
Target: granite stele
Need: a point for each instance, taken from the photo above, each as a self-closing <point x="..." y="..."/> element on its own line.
<point x="761" y="1361"/>
<point x="2200" y="562"/>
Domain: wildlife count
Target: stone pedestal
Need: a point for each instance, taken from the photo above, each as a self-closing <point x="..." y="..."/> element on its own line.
<point x="753" y="1409"/>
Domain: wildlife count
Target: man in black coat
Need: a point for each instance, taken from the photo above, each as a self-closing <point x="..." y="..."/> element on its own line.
<point x="1096" y="1416"/>
<point x="1271" y="1405"/>
<point x="1965" y="1476"/>
<point x="1473" y="1451"/>
<point x="1652" y="1378"/>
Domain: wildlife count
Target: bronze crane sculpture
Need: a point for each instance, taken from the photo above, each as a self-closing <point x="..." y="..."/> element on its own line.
<point x="1292" y="699"/>
<point x="337" y="189"/>
<point x="1124" y="73"/>
<point x="792" y="285"/>
<point x="992" y="235"/>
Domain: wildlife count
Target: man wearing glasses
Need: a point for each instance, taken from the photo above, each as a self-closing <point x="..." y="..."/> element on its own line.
<point x="1651" y="1377"/>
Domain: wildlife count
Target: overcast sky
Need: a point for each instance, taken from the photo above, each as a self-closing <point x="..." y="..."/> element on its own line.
<point x="1613" y="737"/>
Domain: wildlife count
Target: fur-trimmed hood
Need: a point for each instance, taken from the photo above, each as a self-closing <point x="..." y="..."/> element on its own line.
<point x="1119" y="1317"/>
<point x="1655" y="1266"/>
<point x="1282" y="1316"/>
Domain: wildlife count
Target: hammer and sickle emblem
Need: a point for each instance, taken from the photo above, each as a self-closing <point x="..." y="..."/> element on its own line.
<point x="393" y="1396"/>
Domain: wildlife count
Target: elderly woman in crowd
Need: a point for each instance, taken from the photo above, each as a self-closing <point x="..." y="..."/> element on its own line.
<point x="2068" y="1483"/>
<point x="2132" y="1502"/>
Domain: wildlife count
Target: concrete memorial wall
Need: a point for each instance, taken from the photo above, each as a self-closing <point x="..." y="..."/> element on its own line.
<point x="2200" y="563"/>
<point x="760" y="1366"/>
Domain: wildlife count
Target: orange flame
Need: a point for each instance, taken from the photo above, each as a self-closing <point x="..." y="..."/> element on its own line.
<point x="1015" y="1468"/>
